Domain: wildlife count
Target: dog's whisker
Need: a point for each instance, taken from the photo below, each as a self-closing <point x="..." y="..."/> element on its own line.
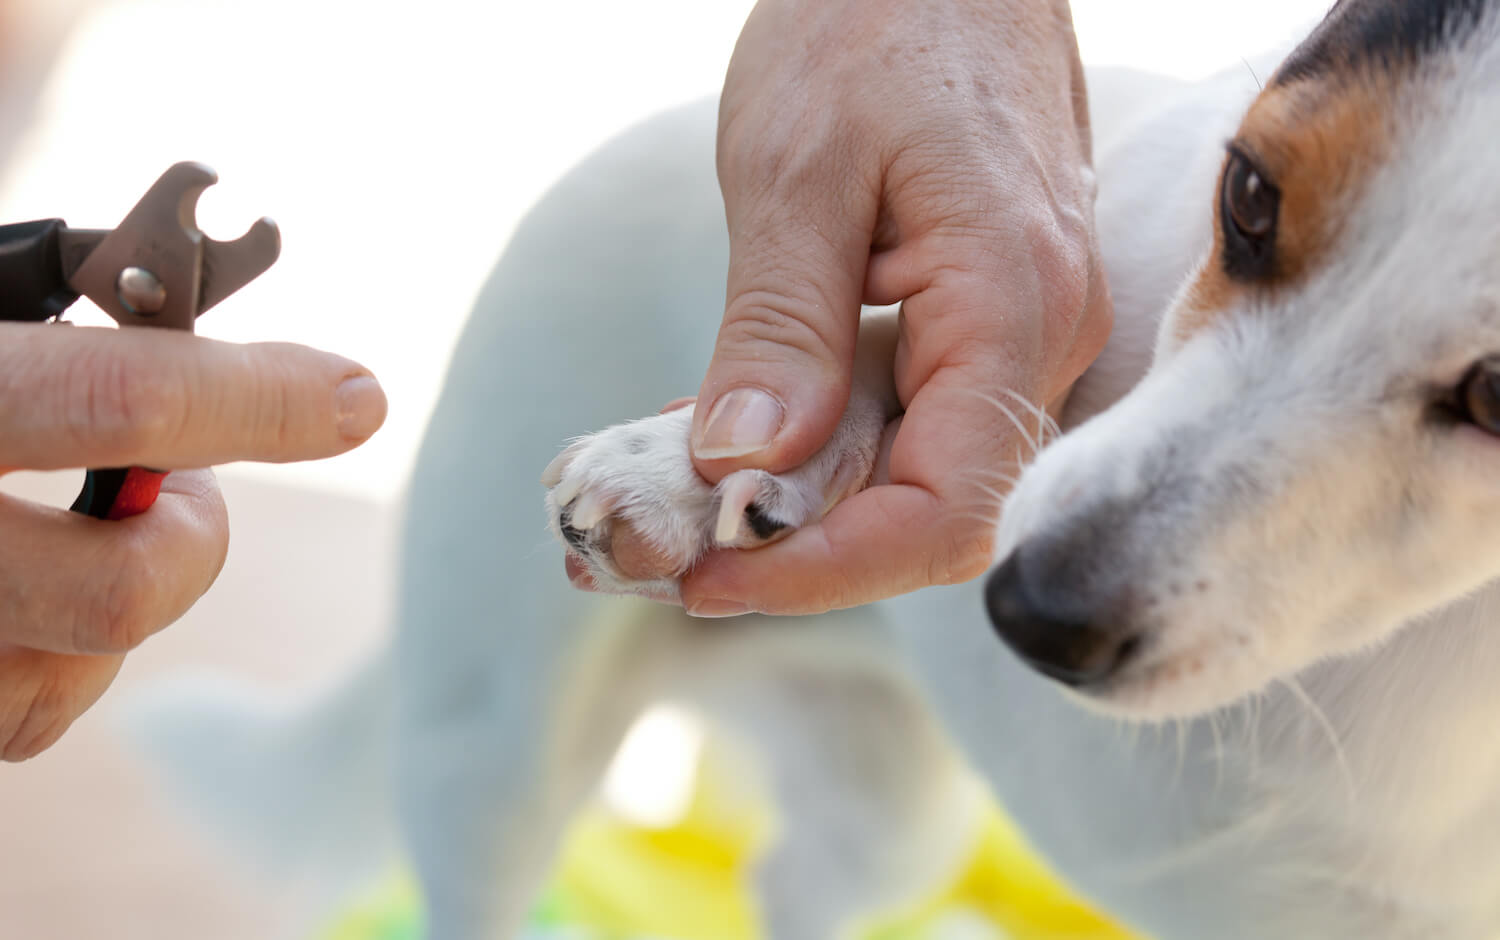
<point x="985" y="501"/>
<point x="1017" y="464"/>
<point x="1213" y="724"/>
<point x="993" y="499"/>
<point x="994" y="502"/>
<point x="988" y="498"/>
<point x="984" y="474"/>
<point x="1049" y="427"/>
<point x="1031" y="440"/>
<point x="1000" y="495"/>
<point x="1191" y="852"/>
<point x="1252" y="708"/>
<point x="1320" y="718"/>
<point x="989" y="512"/>
<point x="970" y="517"/>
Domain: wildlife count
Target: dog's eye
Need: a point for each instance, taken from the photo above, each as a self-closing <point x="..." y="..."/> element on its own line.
<point x="1248" y="208"/>
<point x="1251" y="201"/>
<point x="1479" y="395"/>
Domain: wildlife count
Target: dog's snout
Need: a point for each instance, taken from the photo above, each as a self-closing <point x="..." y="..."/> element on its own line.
<point x="1053" y="633"/>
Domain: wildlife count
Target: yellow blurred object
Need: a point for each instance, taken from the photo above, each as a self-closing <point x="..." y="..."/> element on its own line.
<point x="1007" y="884"/>
<point x="688" y="881"/>
<point x="619" y="877"/>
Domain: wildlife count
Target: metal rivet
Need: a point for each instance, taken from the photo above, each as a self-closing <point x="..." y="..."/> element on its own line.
<point x="141" y="292"/>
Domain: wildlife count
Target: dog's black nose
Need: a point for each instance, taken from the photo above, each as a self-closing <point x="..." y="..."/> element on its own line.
<point x="1051" y="631"/>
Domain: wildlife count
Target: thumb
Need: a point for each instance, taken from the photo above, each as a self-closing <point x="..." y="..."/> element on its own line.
<point x="780" y="375"/>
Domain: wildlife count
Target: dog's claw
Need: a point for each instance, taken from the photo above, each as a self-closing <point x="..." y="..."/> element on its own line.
<point x="736" y="494"/>
<point x="553" y="474"/>
<point x="590" y="511"/>
<point x="567" y="491"/>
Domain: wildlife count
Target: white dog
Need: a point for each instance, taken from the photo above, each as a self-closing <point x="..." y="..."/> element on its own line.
<point x="1280" y="538"/>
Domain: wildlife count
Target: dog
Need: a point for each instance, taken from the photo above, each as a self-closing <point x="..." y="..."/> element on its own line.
<point x="1244" y="679"/>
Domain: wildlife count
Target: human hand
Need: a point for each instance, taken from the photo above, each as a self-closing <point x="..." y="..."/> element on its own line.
<point x="934" y="153"/>
<point x="77" y="593"/>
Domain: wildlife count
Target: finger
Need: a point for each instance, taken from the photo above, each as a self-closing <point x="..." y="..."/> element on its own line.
<point x="76" y="585"/>
<point x="109" y="398"/>
<point x="1032" y="295"/>
<point x="800" y="227"/>
<point x="933" y="524"/>
<point x="677" y="403"/>
<point x="861" y="552"/>
<point x="965" y="430"/>
<point x="41" y="694"/>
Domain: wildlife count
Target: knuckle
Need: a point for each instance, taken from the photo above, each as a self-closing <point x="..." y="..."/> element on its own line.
<point x="764" y="316"/>
<point x="761" y="159"/>
<point x="1063" y="252"/>
<point x="751" y="151"/>
<point x="744" y="158"/>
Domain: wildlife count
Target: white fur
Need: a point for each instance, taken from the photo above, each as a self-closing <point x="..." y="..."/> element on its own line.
<point x="640" y="473"/>
<point x="1330" y="771"/>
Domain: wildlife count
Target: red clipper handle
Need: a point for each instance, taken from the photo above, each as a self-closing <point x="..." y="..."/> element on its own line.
<point x="118" y="493"/>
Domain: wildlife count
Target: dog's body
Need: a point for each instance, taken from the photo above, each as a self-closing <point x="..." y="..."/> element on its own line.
<point x="1348" y="787"/>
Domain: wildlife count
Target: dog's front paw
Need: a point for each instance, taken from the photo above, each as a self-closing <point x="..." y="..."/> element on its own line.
<point x="631" y="508"/>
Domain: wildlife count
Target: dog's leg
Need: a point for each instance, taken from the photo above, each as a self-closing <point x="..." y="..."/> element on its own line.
<point x="469" y="839"/>
<point x="484" y="840"/>
<point x="490" y="632"/>
<point x="641" y="473"/>
<point x="482" y="813"/>
<point x="875" y="807"/>
<point x="878" y="810"/>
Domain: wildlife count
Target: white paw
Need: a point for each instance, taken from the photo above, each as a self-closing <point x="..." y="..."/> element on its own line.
<point x="640" y="473"/>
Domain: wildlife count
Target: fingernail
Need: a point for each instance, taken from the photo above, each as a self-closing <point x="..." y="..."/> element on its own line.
<point x="361" y="407"/>
<point x="715" y="609"/>
<point x="742" y="422"/>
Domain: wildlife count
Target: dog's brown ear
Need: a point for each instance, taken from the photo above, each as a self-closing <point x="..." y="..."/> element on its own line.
<point x="1382" y="33"/>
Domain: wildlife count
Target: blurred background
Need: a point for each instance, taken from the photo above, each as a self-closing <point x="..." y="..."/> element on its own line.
<point x="397" y="144"/>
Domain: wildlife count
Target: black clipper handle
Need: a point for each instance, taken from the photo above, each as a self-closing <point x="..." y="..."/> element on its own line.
<point x="32" y="287"/>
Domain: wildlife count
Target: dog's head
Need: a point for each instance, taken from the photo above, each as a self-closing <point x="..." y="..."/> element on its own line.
<point x="1314" y="458"/>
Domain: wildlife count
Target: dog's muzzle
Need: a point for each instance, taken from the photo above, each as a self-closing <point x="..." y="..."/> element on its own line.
<point x="1053" y="629"/>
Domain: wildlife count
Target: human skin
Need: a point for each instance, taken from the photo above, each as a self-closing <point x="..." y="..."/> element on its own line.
<point x="76" y="593"/>
<point x="932" y="153"/>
